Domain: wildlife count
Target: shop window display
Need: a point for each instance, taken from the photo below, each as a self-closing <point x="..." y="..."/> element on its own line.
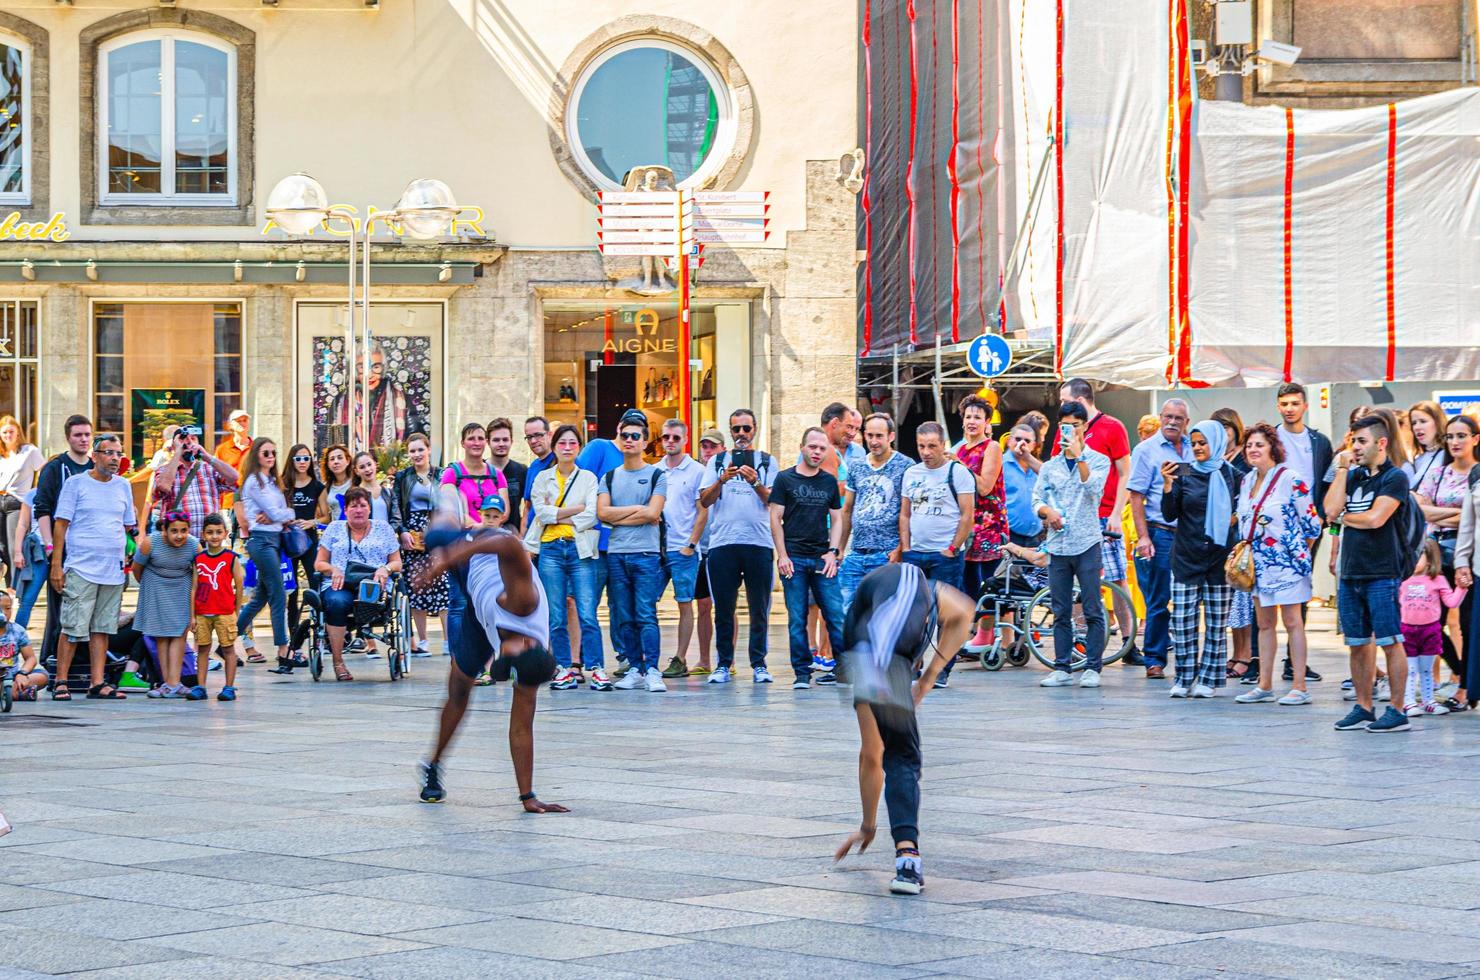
<point x="160" y="364"/>
<point x="19" y="367"/>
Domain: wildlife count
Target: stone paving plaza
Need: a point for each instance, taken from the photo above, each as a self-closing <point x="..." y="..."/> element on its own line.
<point x="1108" y="833"/>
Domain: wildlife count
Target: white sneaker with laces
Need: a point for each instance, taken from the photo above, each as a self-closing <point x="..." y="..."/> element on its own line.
<point x="1177" y="691"/>
<point x="1383" y="692"/>
<point x="1413" y="710"/>
<point x="1434" y="708"/>
<point x="630" y="681"/>
<point x="1059" y="678"/>
<point x="1203" y="691"/>
<point x="762" y="676"/>
<point x="721" y="675"/>
<point x="1090" y="678"/>
<point x="655" y="683"/>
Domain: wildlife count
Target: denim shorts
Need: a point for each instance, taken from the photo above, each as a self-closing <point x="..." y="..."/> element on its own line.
<point x="683" y="571"/>
<point x="1367" y="610"/>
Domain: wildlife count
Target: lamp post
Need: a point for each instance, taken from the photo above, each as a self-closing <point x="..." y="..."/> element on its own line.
<point x="299" y="204"/>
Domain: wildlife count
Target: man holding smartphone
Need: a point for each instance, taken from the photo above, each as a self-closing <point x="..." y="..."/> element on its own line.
<point x="1066" y="498"/>
<point x="193" y="480"/>
<point x="736" y="491"/>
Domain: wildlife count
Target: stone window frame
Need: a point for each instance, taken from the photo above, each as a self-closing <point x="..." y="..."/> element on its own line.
<point x="1345" y="76"/>
<point x="92" y="38"/>
<point x="38" y="117"/>
<point x="671" y="31"/>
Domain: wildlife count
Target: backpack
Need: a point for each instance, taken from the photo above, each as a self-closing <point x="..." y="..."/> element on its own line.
<point x="461" y="475"/>
<point x="652" y="488"/>
<point x="1413" y="529"/>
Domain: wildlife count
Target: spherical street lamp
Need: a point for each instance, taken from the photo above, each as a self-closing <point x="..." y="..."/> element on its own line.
<point x="298" y="204"/>
<point x="426" y="209"/>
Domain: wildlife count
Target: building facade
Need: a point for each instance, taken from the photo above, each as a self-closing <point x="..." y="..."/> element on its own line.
<point x="142" y="282"/>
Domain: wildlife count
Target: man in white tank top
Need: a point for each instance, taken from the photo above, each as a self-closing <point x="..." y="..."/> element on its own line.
<point x="512" y="630"/>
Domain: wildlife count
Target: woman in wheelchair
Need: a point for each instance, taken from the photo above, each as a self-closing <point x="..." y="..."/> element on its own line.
<point x="351" y="551"/>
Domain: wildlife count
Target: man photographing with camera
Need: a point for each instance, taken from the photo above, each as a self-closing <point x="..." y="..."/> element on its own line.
<point x="193" y="480"/>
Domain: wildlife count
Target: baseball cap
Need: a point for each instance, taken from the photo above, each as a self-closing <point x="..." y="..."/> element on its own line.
<point x="634" y="416"/>
<point x="714" y="436"/>
<point x="240" y="413"/>
<point x="492" y="502"/>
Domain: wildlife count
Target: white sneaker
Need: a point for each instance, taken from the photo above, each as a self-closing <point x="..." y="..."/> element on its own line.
<point x="1090" y="678"/>
<point x="1383" y="692"/>
<point x="1413" y="710"/>
<point x="1177" y="691"/>
<point x="721" y="675"/>
<point x="1203" y="691"/>
<point x="1255" y="696"/>
<point x="1059" y="678"/>
<point x="1294" y="698"/>
<point x="1434" y="708"/>
<point x="655" y="683"/>
<point x="630" y="681"/>
<point x="762" y="676"/>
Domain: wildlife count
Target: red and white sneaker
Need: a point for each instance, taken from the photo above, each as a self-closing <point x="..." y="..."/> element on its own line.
<point x="599" y="680"/>
<point x="567" y="679"/>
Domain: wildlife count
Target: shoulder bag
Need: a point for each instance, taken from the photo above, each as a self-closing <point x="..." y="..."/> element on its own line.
<point x="1238" y="569"/>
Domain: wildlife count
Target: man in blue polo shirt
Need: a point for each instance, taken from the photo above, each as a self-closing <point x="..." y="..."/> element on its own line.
<point x="537" y="437"/>
<point x="1153" y="531"/>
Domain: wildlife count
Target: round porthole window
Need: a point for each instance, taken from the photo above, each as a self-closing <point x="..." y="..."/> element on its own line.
<point x="647" y="102"/>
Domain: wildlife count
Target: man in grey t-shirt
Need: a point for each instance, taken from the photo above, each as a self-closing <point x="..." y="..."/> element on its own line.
<point x="630" y="501"/>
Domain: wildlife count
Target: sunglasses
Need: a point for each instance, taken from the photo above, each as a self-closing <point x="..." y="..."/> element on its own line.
<point x="171" y="516"/>
<point x="537" y="435"/>
<point x="632" y="436"/>
<point x="268" y="452"/>
<point x="673" y="437"/>
<point x="742" y="428"/>
<point x="303" y="459"/>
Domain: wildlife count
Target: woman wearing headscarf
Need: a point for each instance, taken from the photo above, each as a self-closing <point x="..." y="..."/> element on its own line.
<point x="1199" y="496"/>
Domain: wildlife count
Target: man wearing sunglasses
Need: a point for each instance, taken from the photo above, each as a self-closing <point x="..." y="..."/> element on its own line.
<point x="601" y="456"/>
<point x="87" y="566"/>
<point x="194" y="480"/>
<point x="685" y="520"/>
<point x="629" y="500"/>
<point x="736" y="491"/>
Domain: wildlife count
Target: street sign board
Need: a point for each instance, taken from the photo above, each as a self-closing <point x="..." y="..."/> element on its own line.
<point x="723" y="237"/>
<point x="988" y="355"/>
<point x="661" y="250"/>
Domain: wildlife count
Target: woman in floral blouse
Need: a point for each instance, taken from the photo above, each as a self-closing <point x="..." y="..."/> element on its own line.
<point x="981" y="454"/>
<point x="1276" y="513"/>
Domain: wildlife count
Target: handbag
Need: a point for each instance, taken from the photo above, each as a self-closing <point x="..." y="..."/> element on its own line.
<point x="1238" y="569"/>
<point x="296" y="541"/>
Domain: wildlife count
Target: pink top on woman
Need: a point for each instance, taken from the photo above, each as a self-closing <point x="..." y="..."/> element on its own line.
<point x="472" y="487"/>
<point x="1425" y="597"/>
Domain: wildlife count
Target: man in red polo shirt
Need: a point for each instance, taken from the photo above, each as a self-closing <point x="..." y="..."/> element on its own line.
<point x="1106" y="435"/>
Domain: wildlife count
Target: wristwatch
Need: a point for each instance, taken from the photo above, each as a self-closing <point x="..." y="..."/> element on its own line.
<point x="832" y="551"/>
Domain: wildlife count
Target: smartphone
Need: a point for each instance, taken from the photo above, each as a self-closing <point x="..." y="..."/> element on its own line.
<point x="1066" y="433"/>
<point x="743" y="457"/>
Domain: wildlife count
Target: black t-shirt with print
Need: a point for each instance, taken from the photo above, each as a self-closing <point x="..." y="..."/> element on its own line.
<point x="805" y="501"/>
<point x="1374" y="553"/>
<point x="305" y="499"/>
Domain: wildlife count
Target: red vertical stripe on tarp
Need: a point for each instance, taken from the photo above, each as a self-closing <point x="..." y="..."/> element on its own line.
<point x="1169" y="164"/>
<point x="1058" y="179"/>
<point x="1392" y="193"/>
<point x="1184" y="189"/>
<point x="951" y="170"/>
<point x="867" y="202"/>
<point x="909" y="178"/>
<point x="1289" y="241"/>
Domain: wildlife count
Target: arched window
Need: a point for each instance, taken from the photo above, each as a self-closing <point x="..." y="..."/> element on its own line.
<point x="167" y="123"/>
<point x="15" y="120"/>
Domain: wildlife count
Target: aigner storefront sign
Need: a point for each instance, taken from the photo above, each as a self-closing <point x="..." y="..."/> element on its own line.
<point x="13" y="229"/>
<point x="645" y="339"/>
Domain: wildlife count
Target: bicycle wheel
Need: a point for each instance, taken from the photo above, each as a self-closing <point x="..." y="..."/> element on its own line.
<point x="1041" y="621"/>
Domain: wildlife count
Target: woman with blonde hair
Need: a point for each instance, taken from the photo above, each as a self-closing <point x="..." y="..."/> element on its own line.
<point x="19" y="463"/>
<point x="1427" y="422"/>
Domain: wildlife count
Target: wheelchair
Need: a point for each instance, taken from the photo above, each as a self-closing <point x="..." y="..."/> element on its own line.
<point x="385" y="619"/>
<point x="1021" y="592"/>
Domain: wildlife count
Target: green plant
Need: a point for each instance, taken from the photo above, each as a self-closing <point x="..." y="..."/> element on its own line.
<point x="391" y="458"/>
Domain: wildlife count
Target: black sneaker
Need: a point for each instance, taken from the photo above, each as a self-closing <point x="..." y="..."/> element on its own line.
<point x="1289" y="672"/>
<point x="1311" y="675"/>
<point x="1357" y="719"/>
<point x="431" y="783"/>
<point x="1392" y="720"/>
<point x="1133" y="658"/>
<point x="908" y="879"/>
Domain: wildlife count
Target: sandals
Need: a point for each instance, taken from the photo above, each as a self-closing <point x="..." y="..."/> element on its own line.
<point x="59" y="692"/>
<point x="341" y="673"/>
<point x="1238" y="669"/>
<point x="256" y="658"/>
<point x="105" y="692"/>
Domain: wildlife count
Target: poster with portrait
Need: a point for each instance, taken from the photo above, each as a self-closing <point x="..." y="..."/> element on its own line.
<point x="399" y="397"/>
<point x="404" y="389"/>
<point x="152" y="409"/>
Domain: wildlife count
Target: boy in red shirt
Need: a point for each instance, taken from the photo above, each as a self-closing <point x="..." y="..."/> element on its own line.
<point x="218" y="595"/>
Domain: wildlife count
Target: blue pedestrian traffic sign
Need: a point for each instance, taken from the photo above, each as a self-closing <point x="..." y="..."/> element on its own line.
<point x="989" y="355"/>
